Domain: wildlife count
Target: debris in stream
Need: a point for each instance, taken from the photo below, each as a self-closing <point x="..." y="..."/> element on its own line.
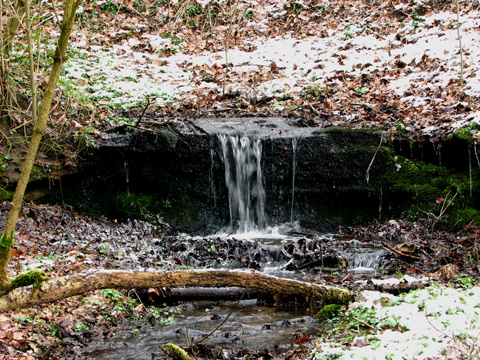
<point x="52" y="238"/>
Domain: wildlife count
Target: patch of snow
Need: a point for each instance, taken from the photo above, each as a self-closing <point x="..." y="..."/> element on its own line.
<point x="436" y="321"/>
<point x="429" y="48"/>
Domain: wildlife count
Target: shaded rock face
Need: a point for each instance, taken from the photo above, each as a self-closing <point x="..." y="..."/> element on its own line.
<point x="319" y="177"/>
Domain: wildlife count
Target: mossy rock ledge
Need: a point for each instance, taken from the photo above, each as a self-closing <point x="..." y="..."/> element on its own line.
<point x="342" y="176"/>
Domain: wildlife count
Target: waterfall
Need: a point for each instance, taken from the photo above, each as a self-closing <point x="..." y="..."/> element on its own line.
<point x="470" y="170"/>
<point x="295" y="144"/>
<point x="127" y="175"/>
<point x="210" y="173"/>
<point x="243" y="176"/>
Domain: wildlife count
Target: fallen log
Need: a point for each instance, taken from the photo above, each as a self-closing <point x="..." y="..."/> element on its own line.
<point x="63" y="287"/>
<point x="160" y="296"/>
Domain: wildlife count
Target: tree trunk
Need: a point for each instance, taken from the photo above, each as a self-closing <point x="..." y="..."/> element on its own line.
<point x="80" y="283"/>
<point x="60" y="56"/>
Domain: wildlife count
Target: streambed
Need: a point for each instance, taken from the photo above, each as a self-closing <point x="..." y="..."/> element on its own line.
<point x="248" y="325"/>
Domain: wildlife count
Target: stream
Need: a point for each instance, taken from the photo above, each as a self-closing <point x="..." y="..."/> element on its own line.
<point x="250" y="325"/>
<point x="247" y="241"/>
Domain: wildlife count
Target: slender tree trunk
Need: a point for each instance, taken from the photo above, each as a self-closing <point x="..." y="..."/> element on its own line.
<point x="33" y="81"/>
<point x="60" y="56"/>
<point x="16" y="16"/>
<point x="3" y="90"/>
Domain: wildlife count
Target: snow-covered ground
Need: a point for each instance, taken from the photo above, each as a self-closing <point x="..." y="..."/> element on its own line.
<point x="437" y="322"/>
<point x="415" y="64"/>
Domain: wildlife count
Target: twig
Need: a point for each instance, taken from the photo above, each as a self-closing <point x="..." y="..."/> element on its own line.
<point x="460" y="44"/>
<point x="440" y="331"/>
<point x="165" y="122"/>
<point x="227" y="35"/>
<point x="33" y="82"/>
<point x="314" y="110"/>
<point x="364" y="323"/>
<point x="476" y="153"/>
<point x="444" y="208"/>
<point x="398" y="252"/>
<point x="373" y="32"/>
<point x="189" y="341"/>
<point x="144" y="109"/>
<point x="223" y="322"/>
<point x="373" y="159"/>
<point x="55" y="12"/>
<point x="138" y="127"/>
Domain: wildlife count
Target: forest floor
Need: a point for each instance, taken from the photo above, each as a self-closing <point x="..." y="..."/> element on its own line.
<point x="395" y="65"/>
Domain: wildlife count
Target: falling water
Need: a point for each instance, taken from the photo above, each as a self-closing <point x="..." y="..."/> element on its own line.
<point x="380" y="207"/>
<point x="127" y="176"/>
<point x="243" y="176"/>
<point x="470" y="169"/>
<point x="439" y="153"/>
<point x="212" y="182"/>
<point x="295" y="143"/>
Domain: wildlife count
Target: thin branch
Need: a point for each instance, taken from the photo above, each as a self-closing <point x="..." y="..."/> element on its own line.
<point x="444" y="208"/>
<point x="149" y="101"/>
<point x="373" y="159"/>
<point x="33" y="82"/>
<point x="476" y="153"/>
<point x="364" y="323"/>
<point x="227" y="36"/>
<point x="223" y="322"/>
<point x="398" y="252"/>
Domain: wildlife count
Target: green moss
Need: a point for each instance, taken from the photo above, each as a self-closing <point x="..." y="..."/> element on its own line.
<point x="419" y="189"/>
<point x="466" y="133"/>
<point x="177" y="352"/>
<point x="463" y="217"/>
<point x="169" y="137"/>
<point x="173" y="194"/>
<point x="37" y="173"/>
<point x="6" y="242"/>
<point x="328" y="312"/>
<point x="135" y="206"/>
<point x="32" y="277"/>
<point x="5" y="195"/>
<point x="332" y="295"/>
<point x="148" y="207"/>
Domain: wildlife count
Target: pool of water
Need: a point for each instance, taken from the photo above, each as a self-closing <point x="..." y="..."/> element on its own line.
<point x="248" y="326"/>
